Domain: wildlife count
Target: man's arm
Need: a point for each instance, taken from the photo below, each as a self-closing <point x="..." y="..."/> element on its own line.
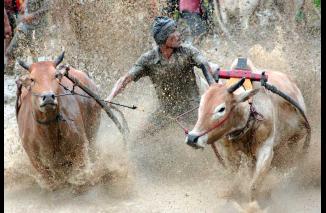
<point x="120" y="86"/>
<point x="8" y="30"/>
<point x="207" y="71"/>
<point x="202" y="63"/>
<point x="137" y="71"/>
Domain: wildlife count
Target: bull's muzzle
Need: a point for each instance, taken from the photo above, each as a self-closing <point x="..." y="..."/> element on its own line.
<point x="192" y="140"/>
<point x="196" y="140"/>
<point x="48" y="99"/>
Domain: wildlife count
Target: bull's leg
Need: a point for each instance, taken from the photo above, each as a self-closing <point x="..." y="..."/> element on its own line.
<point x="264" y="159"/>
<point x="45" y="172"/>
<point x="82" y="174"/>
<point x="82" y="160"/>
<point x="232" y="161"/>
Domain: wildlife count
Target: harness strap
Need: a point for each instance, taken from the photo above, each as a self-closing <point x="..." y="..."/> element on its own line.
<point x="252" y="118"/>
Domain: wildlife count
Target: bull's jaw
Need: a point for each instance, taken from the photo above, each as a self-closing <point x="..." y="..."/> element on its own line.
<point x="202" y="140"/>
<point x="48" y="108"/>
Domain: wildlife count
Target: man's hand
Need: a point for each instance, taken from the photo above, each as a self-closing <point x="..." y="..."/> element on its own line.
<point x="8" y="31"/>
<point x="109" y="99"/>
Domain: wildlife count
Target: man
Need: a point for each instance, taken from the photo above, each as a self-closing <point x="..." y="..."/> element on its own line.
<point x="31" y="27"/>
<point x="13" y="9"/>
<point x="170" y="67"/>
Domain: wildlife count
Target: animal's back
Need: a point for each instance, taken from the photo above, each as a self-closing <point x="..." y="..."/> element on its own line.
<point x="287" y="85"/>
<point x="288" y="122"/>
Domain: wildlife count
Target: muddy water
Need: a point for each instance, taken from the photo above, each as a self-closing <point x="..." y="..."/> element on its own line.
<point x="161" y="173"/>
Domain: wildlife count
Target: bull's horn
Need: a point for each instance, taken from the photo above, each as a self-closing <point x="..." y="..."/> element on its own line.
<point x="235" y="86"/>
<point x="24" y="64"/>
<point x="59" y="59"/>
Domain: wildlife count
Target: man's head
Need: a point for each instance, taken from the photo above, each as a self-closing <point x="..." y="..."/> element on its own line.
<point x="164" y="32"/>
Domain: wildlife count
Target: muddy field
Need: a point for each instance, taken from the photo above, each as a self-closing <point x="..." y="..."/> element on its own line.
<point x="161" y="173"/>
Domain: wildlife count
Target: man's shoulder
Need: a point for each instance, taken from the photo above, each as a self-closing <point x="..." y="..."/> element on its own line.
<point x="187" y="48"/>
<point x="149" y="56"/>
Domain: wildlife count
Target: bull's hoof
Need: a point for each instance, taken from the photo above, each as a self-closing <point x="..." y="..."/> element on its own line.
<point x="227" y="193"/>
<point x="51" y="186"/>
<point x="77" y="190"/>
<point x="253" y="194"/>
<point x="250" y="207"/>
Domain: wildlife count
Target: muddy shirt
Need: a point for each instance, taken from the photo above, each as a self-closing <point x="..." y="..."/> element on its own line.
<point x="174" y="79"/>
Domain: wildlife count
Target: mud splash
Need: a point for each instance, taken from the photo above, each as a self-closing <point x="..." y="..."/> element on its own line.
<point x="162" y="174"/>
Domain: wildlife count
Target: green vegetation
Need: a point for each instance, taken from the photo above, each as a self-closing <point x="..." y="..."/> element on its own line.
<point x="317" y="3"/>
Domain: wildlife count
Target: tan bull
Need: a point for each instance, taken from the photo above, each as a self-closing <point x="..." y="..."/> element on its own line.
<point x="259" y="131"/>
<point x="56" y="130"/>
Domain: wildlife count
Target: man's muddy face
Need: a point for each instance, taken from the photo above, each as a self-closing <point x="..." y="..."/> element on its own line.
<point x="174" y="40"/>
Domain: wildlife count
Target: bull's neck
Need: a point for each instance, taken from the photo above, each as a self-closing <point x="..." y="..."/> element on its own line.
<point x="45" y="119"/>
<point x="241" y="116"/>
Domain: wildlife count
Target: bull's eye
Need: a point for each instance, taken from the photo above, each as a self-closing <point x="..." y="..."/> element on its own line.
<point x="222" y="109"/>
<point x="58" y="76"/>
<point x="219" y="111"/>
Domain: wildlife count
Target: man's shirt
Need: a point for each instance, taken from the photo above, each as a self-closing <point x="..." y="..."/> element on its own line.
<point x="173" y="78"/>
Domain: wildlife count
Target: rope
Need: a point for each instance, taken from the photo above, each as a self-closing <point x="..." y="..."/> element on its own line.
<point x="72" y="92"/>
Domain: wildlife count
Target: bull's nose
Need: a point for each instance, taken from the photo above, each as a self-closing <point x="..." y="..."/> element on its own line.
<point x="48" y="98"/>
<point x="191" y="140"/>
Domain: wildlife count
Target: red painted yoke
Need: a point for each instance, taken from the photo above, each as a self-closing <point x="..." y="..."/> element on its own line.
<point x="226" y="74"/>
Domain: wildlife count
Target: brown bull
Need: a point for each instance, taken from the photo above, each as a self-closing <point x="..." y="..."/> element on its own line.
<point x="56" y="129"/>
<point x="258" y="130"/>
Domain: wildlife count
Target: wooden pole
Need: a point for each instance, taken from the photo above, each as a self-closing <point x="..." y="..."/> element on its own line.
<point x="104" y="106"/>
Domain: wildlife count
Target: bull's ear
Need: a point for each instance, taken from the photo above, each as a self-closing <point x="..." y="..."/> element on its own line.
<point x="246" y="95"/>
<point x="24" y="80"/>
<point x="202" y="83"/>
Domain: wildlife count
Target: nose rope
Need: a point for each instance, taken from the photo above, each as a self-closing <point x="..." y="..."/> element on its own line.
<point x="217" y="154"/>
<point x="186" y="130"/>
